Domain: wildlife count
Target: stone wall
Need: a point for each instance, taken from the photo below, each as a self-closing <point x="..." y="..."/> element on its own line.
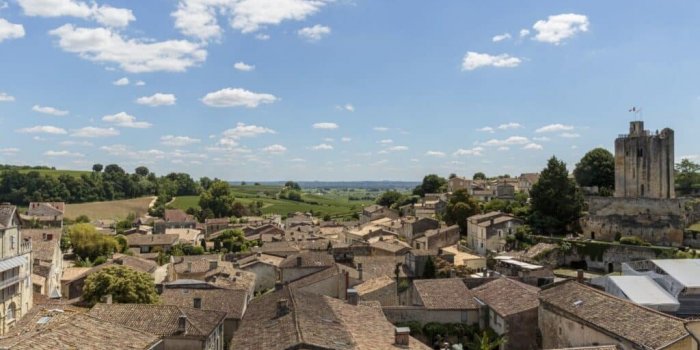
<point x="396" y="314"/>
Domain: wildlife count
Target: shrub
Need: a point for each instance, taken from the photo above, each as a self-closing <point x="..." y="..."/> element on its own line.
<point x="634" y="240"/>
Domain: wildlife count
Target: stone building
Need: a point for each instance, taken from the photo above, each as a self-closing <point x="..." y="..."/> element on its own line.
<point x="644" y="164"/>
<point x="15" y="270"/>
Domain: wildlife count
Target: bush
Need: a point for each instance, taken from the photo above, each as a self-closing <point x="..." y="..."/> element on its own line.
<point x="89" y="244"/>
<point x="415" y="326"/>
<point x="634" y="240"/>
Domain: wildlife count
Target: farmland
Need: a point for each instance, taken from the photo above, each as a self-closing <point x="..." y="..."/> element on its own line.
<point x="118" y="209"/>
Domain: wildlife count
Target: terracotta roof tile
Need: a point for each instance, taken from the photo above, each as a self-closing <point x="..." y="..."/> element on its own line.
<point x="507" y="297"/>
<point x="445" y="294"/>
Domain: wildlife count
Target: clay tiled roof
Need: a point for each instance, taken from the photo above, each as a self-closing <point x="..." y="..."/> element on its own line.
<point x="7" y="212"/>
<point x="233" y="302"/>
<point x="177" y="215"/>
<point x="52" y="328"/>
<point x="43" y="249"/>
<point x="149" y="240"/>
<point x="642" y="326"/>
<point x="507" y="297"/>
<point x="308" y="259"/>
<point x="445" y="294"/>
<point x="46" y="209"/>
<point x="373" y="284"/>
<point x="161" y="320"/>
<point x="138" y="264"/>
<point x="376" y="266"/>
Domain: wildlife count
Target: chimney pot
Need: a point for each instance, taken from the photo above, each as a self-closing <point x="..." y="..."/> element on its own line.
<point x="182" y="324"/>
<point x="353" y="297"/>
<point x="197" y="302"/>
<point x="402" y="336"/>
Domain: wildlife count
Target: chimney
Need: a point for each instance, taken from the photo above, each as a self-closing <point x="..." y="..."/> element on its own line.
<point x="401" y="336"/>
<point x="579" y="276"/>
<point x="189" y="266"/>
<point x="282" y="307"/>
<point x="359" y="271"/>
<point x="298" y="261"/>
<point x="182" y="324"/>
<point x="197" y="302"/>
<point x="106" y="299"/>
<point x="213" y="264"/>
<point x="353" y="297"/>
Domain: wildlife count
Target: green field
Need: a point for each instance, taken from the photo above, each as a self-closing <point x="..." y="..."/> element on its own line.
<point x="333" y="203"/>
<point x="55" y="173"/>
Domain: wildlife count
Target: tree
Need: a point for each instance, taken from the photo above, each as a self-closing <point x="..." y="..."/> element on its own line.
<point x="292" y="185"/>
<point x="431" y="184"/>
<point x="486" y="341"/>
<point x="687" y="176"/>
<point x="218" y="199"/>
<point x="82" y="219"/>
<point x="89" y="244"/>
<point x="142" y="170"/>
<point x="555" y="199"/>
<point x="123" y="284"/>
<point x="459" y="208"/>
<point x="452" y="176"/>
<point x="97" y="167"/>
<point x="596" y="168"/>
<point x="388" y="198"/>
<point x="429" y="271"/>
<point x="479" y="176"/>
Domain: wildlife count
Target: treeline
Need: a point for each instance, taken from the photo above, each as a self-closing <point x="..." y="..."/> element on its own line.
<point x="102" y="184"/>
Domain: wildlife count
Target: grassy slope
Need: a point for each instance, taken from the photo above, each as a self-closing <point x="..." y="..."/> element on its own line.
<point x="56" y="173"/>
<point x="109" y="210"/>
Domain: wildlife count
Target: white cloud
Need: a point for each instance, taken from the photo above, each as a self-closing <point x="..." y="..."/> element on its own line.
<point x="513" y="140"/>
<point x="476" y="151"/>
<point x="486" y="129"/>
<point x="500" y="37"/>
<point x="437" y="154"/>
<point x="326" y="126"/>
<point x="554" y="128"/>
<point x="559" y="27"/>
<point x="10" y="30"/>
<point x="524" y="32"/>
<point x="262" y="36"/>
<point x="328" y="139"/>
<point x="243" y="67"/>
<point x="275" y="149"/>
<point x="125" y="120"/>
<point x="132" y="55"/>
<point x="4" y="97"/>
<point x="121" y="82"/>
<point x="76" y="143"/>
<point x="125" y="151"/>
<point x="171" y="140"/>
<point x="380" y="128"/>
<point x="242" y="130"/>
<point x="569" y="135"/>
<point x="473" y="60"/>
<point x="198" y="18"/>
<point x="105" y="15"/>
<point x="297" y="160"/>
<point x="346" y="139"/>
<point x="63" y="154"/>
<point x="43" y="129"/>
<point x="533" y="146"/>
<point x="157" y="99"/>
<point x="314" y="33"/>
<point x="397" y="149"/>
<point x="322" y="147"/>
<point x="9" y="151"/>
<point x="230" y="97"/>
<point x="91" y="131"/>
<point x="140" y="83"/>
<point x="509" y="126"/>
<point x="49" y="110"/>
<point x="541" y="138"/>
<point x="347" y="107"/>
<point x="386" y="141"/>
<point x="504" y="148"/>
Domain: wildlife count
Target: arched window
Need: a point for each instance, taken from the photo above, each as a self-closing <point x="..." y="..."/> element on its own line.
<point x="10" y="315"/>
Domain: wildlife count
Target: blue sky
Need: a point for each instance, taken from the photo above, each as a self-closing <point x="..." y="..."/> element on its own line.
<point x="339" y="90"/>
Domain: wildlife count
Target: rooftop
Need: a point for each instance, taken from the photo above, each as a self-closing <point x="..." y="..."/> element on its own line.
<point x="42" y="248"/>
<point x="149" y="240"/>
<point x="7" y="212"/>
<point x="445" y="294"/>
<point x="373" y="284"/>
<point x="643" y="290"/>
<point x="233" y="302"/>
<point x="308" y="259"/>
<point x="507" y="297"/>
<point x="685" y="271"/>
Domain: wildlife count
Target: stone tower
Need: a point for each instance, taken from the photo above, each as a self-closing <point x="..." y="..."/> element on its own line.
<point x="644" y="164"/>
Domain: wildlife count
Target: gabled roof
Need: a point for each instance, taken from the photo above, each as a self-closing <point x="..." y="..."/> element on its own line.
<point x="507" y="297"/>
<point x="608" y="314"/>
<point x="151" y="240"/>
<point x="7" y="213"/>
<point x="445" y="294"/>
<point x="46" y="209"/>
<point x="138" y="264"/>
<point x="373" y="284"/>
<point x="231" y="301"/>
<point x="161" y="320"/>
<point x="43" y="249"/>
<point x="177" y="215"/>
<point x="308" y="259"/>
<point x="483" y="217"/>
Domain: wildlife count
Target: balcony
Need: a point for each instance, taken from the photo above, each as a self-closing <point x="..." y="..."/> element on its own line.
<point x="25" y="247"/>
<point x="12" y="280"/>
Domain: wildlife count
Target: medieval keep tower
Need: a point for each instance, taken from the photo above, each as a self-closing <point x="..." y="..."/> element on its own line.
<point x="644" y="163"/>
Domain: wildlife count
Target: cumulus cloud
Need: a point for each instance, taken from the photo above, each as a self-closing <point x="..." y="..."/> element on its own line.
<point x="198" y="18"/>
<point x="126" y="121"/>
<point x="569" y="135"/>
<point x="49" y="110"/>
<point x="557" y="28"/>
<point x="486" y="129"/>
<point x="63" y="154"/>
<point x="500" y="37"/>
<point x="230" y="137"/>
<point x="533" y="146"/>
<point x="437" y="154"/>
<point x="243" y="66"/>
<point x="10" y="30"/>
<point x="322" y="147"/>
<point x="314" y="33"/>
<point x="386" y="141"/>
<point x="275" y="149"/>
<point x="473" y="60"/>
<point x="172" y="140"/>
<point x="93" y="132"/>
<point x="126" y="152"/>
<point x="475" y="151"/>
<point x="397" y="149"/>
<point x="230" y="97"/>
<point x="4" y="97"/>
<point x="140" y="83"/>
<point x="43" y="129"/>
<point x="158" y="99"/>
<point x="347" y="107"/>
<point x="511" y="125"/>
<point x="346" y="139"/>
<point x="11" y="151"/>
<point x="105" y="45"/>
<point x="523" y="33"/>
<point x="262" y="36"/>
<point x="554" y="128"/>
<point x="326" y="126"/>
<point x="121" y="82"/>
<point x="105" y="15"/>
<point x="513" y="140"/>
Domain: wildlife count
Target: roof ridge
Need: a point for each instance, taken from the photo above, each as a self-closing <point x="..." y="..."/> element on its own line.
<point x="183" y="313"/>
<point x="292" y="299"/>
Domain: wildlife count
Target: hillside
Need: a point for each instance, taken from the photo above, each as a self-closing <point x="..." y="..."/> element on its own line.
<point x="118" y="209"/>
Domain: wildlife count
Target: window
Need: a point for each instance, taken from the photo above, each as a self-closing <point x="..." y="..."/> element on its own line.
<point x="12" y="242"/>
<point x="10" y="315"/>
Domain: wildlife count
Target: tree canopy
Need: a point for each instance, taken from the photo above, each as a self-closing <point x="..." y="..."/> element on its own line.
<point x="123" y="284"/>
<point x="460" y="206"/>
<point x="596" y="168"/>
<point x="687" y="176"/>
<point x="388" y="198"/>
<point x="431" y="184"/>
<point x="218" y="199"/>
<point x="88" y="244"/>
<point x="479" y="176"/>
<point x="556" y="201"/>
